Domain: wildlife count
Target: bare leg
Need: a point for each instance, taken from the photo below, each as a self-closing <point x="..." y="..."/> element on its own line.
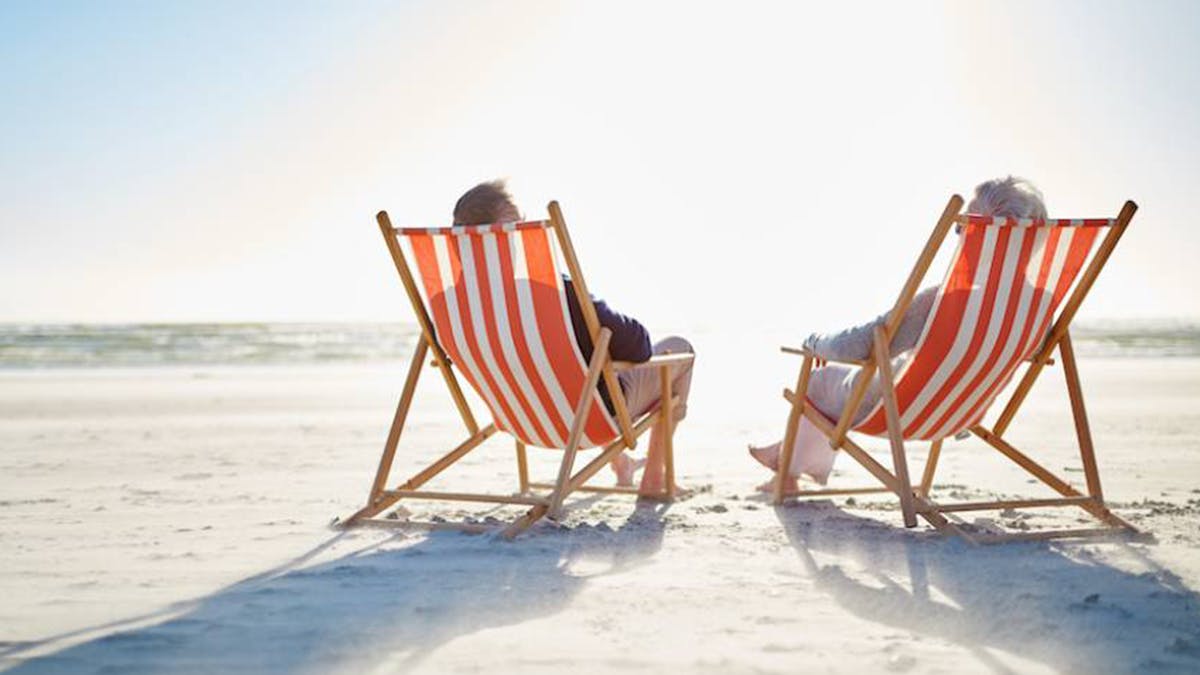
<point x="767" y="455"/>
<point x="654" y="475"/>
<point x="790" y="484"/>
<point x="644" y="390"/>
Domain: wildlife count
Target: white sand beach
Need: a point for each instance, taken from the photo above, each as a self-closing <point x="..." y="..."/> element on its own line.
<point x="176" y="520"/>
<point x="203" y="334"/>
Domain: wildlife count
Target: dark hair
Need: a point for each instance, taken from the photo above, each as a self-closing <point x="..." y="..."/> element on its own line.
<point x="483" y="204"/>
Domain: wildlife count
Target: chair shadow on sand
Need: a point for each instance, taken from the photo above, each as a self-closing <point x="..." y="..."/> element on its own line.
<point x="382" y="605"/>
<point x="1054" y="604"/>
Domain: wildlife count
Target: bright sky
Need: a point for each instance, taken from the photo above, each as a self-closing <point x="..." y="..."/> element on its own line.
<point x="776" y="165"/>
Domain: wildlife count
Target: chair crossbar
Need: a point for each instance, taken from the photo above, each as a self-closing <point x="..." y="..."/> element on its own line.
<point x="656" y="361"/>
<point x="464" y="497"/>
<point x="595" y="489"/>
<point x="1082" y="533"/>
<point x="833" y="492"/>
<point x="427" y="526"/>
<point x="491" y="228"/>
<point x="1003" y="221"/>
<point x="1012" y="504"/>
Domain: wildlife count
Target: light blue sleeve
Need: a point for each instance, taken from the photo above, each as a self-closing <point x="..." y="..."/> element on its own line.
<point x="854" y="344"/>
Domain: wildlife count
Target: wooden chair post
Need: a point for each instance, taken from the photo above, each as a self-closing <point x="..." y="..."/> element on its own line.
<point x="1083" y="431"/>
<point x="592" y="320"/>
<point x="393" y="437"/>
<point x="666" y="415"/>
<point x="896" y="316"/>
<point x="599" y="359"/>
<point x="786" y="451"/>
<point x="410" y="287"/>
<point x="935" y="451"/>
<point x="522" y="468"/>
<point x="895" y="431"/>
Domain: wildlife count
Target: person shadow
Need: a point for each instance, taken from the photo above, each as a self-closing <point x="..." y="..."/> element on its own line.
<point x="386" y="604"/>
<point x="1060" y="605"/>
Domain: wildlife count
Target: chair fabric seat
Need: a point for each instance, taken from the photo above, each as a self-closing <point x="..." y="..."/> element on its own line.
<point x="498" y="305"/>
<point x="993" y="310"/>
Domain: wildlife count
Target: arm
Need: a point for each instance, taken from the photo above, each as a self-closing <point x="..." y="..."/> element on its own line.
<point x="854" y="344"/>
<point x="630" y="340"/>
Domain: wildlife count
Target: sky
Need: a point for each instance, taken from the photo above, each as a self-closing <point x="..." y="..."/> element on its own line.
<point x="720" y="164"/>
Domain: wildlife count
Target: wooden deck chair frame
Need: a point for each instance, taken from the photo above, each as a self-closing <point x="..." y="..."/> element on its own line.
<point x="548" y="503"/>
<point x="918" y="501"/>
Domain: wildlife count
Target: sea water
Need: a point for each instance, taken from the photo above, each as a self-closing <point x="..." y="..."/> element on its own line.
<point x="167" y="344"/>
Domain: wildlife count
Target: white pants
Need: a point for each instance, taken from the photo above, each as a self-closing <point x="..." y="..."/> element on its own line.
<point x="643" y="388"/>
<point x="829" y="388"/>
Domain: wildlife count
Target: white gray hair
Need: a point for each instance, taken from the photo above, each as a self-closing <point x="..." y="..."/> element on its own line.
<point x="1011" y="197"/>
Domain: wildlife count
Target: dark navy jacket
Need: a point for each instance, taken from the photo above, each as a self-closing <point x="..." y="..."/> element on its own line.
<point x="630" y="341"/>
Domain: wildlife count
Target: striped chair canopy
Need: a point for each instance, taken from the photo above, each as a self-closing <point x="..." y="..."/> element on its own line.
<point x="499" y="307"/>
<point x="1005" y="283"/>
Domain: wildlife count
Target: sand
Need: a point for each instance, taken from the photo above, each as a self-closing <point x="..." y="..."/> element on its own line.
<point x="176" y="520"/>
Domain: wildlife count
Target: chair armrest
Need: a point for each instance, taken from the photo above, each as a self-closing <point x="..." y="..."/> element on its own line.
<point x="805" y="351"/>
<point x="656" y="361"/>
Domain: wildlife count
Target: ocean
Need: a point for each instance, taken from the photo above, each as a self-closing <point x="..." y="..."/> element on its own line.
<point x="166" y="344"/>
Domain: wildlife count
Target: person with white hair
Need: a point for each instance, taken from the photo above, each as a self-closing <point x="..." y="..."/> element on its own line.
<point x="830" y="384"/>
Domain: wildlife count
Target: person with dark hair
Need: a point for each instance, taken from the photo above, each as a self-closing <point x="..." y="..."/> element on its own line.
<point x="490" y="202"/>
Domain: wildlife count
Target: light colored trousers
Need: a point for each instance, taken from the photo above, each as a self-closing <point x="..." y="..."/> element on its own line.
<point x="643" y="388"/>
<point x="829" y="389"/>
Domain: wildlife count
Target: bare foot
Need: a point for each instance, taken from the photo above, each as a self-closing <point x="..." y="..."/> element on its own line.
<point x="767" y="455"/>
<point x="657" y="492"/>
<point x="625" y="466"/>
<point x="654" y="485"/>
<point x="789" y="485"/>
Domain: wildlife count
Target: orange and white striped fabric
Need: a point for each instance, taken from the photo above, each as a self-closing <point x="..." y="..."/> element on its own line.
<point x="499" y="308"/>
<point x="1007" y="279"/>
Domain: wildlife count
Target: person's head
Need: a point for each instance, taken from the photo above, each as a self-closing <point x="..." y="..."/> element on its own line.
<point x="1009" y="197"/>
<point x="486" y="203"/>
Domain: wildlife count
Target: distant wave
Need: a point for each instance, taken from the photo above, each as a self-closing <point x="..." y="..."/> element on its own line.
<point x="123" y="345"/>
<point x="109" y="345"/>
<point x="1143" y="337"/>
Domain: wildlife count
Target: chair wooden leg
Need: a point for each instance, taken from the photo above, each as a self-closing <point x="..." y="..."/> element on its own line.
<point x="783" y="469"/>
<point x="895" y="433"/>
<point x="666" y="419"/>
<point x="927" y="509"/>
<point x="599" y="359"/>
<point x="386" y="498"/>
<point x="1014" y="404"/>
<point x="935" y="452"/>
<point x="522" y="468"/>
<point x="393" y="437"/>
<point x="1083" y="431"/>
<point x="1092" y="506"/>
<point x="581" y="477"/>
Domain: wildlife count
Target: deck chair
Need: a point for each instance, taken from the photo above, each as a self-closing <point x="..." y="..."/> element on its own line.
<point x="1000" y="306"/>
<point x="495" y="312"/>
